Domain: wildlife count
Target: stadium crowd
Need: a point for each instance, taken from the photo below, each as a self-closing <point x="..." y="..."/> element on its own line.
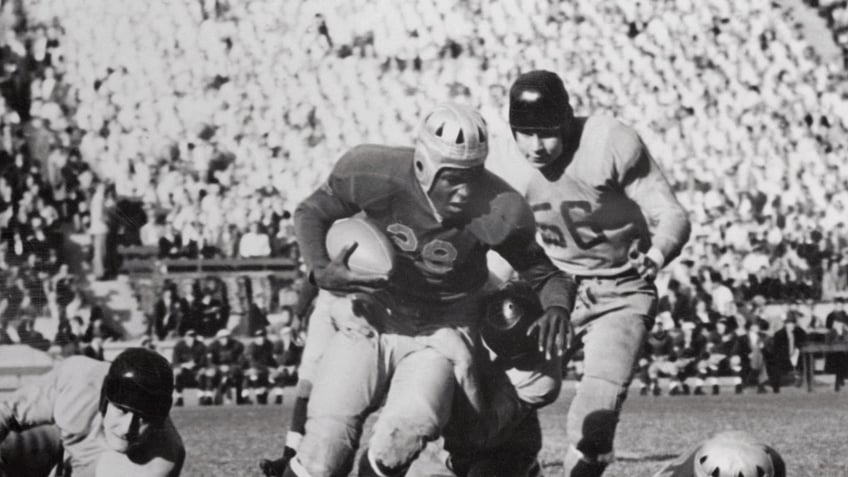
<point x="835" y="13"/>
<point x="217" y="117"/>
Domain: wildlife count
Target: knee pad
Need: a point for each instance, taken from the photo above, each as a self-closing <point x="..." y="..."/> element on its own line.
<point x="329" y="445"/>
<point x="396" y="443"/>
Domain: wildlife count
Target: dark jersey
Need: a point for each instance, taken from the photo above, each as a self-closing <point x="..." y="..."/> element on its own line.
<point x="261" y="355"/>
<point x="659" y="344"/>
<point x="183" y="353"/>
<point x="287" y="355"/>
<point x="436" y="261"/>
<point x="226" y="354"/>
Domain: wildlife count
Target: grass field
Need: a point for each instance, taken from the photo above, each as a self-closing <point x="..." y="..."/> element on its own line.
<point x="809" y="430"/>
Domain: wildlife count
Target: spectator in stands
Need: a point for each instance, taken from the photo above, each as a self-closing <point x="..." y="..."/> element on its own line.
<point x="726" y="356"/>
<point x="78" y="327"/>
<point x="151" y="231"/>
<point x="837" y="314"/>
<point x="784" y="355"/>
<point x="170" y="243"/>
<point x="752" y="354"/>
<point x="258" y="364"/>
<point x="282" y="242"/>
<point x="837" y="363"/>
<point x="255" y="243"/>
<point x="5" y="339"/>
<point x="287" y="352"/>
<point x="65" y="340"/>
<point x="98" y="230"/>
<point x="17" y="298"/>
<point x="167" y="314"/>
<point x="208" y="315"/>
<point x="257" y="315"/>
<point x="229" y="241"/>
<point x="29" y="336"/>
<point x="677" y="302"/>
<point x="192" y="237"/>
<point x="99" y="327"/>
<point x="227" y="357"/>
<point x="655" y="362"/>
<point x="94" y="349"/>
<point x="690" y="350"/>
<point x="63" y="285"/>
<point x="723" y="301"/>
<point x="188" y="359"/>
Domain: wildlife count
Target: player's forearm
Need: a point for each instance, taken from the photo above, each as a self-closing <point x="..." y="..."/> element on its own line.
<point x="672" y="233"/>
<point x="668" y="221"/>
<point x="555" y="287"/>
<point x="308" y="291"/>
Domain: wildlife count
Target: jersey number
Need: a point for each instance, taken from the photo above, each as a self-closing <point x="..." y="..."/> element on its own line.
<point x="438" y="255"/>
<point x="553" y="235"/>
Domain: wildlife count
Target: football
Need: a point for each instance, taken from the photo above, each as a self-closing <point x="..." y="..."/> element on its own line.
<point x="374" y="255"/>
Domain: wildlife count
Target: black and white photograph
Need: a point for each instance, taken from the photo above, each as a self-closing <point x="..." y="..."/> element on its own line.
<point x="430" y="238"/>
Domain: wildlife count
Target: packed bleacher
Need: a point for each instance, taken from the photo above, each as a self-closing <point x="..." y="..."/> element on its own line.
<point x="194" y="127"/>
<point x="835" y="14"/>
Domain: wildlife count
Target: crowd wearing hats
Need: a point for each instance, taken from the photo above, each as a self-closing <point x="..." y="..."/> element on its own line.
<point x="220" y="116"/>
<point x="698" y="351"/>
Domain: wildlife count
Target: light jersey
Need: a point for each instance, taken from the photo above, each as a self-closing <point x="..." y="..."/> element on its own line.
<point x="69" y="398"/>
<point x="611" y="198"/>
<point x="436" y="262"/>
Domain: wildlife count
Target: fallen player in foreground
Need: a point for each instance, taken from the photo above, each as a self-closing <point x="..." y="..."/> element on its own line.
<point x="111" y="419"/>
<point x="727" y="454"/>
<point x="503" y="440"/>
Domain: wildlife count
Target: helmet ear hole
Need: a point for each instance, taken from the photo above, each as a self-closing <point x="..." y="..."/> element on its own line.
<point x="419" y="166"/>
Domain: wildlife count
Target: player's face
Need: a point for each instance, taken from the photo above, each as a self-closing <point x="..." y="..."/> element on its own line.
<point x="539" y="146"/>
<point x="453" y="189"/>
<point x="123" y="428"/>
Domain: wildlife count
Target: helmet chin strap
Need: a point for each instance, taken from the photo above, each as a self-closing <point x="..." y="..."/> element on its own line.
<point x="436" y="213"/>
<point x="422" y="150"/>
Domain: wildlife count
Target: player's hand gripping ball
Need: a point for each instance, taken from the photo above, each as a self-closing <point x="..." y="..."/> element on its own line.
<point x="363" y="258"/>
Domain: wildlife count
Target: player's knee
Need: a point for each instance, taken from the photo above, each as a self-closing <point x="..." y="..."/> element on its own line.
<point x="396" y="443"/>
<point x="600" y="393"/>
<point x="329" y="445"/>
